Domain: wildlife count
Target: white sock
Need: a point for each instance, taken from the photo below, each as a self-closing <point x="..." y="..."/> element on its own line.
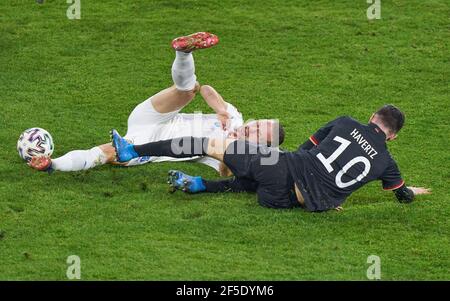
<point x="80" y="160"/>
<point x="183" y="71"/>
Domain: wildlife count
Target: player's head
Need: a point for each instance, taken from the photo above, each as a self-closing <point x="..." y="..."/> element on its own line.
<point x="262" y="131"/>
<point x="390" y="119"/>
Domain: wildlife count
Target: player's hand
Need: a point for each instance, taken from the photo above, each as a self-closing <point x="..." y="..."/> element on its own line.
<point x="420" y="190"/>
<point x="339" y="209"/>
<point x="223" y="117"/>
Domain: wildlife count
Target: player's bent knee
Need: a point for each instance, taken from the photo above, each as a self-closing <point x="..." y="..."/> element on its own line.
<point x="191" y="92"/>
<point x="206" y="91"/>
<point x="183" y="98"/>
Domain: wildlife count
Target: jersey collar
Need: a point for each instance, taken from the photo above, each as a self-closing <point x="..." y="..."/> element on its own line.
<point x="376" y="129"/>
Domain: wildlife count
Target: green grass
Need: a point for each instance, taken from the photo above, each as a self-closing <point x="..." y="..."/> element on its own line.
<point x="305" y="62"/>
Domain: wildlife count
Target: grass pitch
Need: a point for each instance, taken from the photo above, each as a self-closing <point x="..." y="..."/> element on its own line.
<point x="305" y="62"/>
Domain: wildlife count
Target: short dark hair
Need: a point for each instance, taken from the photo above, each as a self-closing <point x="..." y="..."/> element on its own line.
<point x="391" y="117"/>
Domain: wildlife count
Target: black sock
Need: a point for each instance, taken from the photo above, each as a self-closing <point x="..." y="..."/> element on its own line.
<point x="183" y="147"/>
<point x="231" y="184"/>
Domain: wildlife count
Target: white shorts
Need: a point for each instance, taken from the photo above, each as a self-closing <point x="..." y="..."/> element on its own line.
<point x="145" y="125"/>
<point x="145" y="119"/>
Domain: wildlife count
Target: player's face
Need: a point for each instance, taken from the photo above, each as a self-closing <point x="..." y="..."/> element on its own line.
<point x="257" y="131"/>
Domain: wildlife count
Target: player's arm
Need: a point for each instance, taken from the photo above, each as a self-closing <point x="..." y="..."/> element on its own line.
<point x="321" y="134"/>
<point x="406" y="194"/>
<point x="215" y="102"/>
<point x="392" y="180"/>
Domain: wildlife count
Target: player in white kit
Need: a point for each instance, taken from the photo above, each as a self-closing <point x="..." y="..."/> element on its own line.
<point x="159" y="118"/>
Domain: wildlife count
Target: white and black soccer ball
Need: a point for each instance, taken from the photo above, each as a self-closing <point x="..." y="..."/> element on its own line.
<point x="35" y="142"/>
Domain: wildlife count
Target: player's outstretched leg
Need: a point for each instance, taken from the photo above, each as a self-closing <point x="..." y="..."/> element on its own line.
<point x="195" y="41"/>
<point x="178" y="180"/>
<point x="75" y="160"/>
<point x="182" y="147"/>
<point x="181" y="181"/>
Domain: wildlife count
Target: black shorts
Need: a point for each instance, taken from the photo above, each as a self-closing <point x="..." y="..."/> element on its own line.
<point x="268" y="168"/>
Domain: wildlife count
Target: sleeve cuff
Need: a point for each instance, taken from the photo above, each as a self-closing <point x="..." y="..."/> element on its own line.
<point x="395" y="186"/>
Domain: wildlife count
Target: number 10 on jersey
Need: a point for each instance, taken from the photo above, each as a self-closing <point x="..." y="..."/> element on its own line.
<point x="327" y="163"/>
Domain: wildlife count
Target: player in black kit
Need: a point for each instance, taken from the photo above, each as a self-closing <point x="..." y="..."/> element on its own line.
<point x="338" y="159"/>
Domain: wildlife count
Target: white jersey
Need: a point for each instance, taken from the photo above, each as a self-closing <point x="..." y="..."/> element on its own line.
<point x="145" y="125"/>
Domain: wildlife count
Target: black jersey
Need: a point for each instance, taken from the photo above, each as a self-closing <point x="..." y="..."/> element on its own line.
<point x="346" y="155"/>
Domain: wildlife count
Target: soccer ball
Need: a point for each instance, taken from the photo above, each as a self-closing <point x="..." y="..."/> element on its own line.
<point x="35" y="142"/>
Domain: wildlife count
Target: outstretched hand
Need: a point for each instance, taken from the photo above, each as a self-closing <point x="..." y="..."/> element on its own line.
<point x="420" y="190"/>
